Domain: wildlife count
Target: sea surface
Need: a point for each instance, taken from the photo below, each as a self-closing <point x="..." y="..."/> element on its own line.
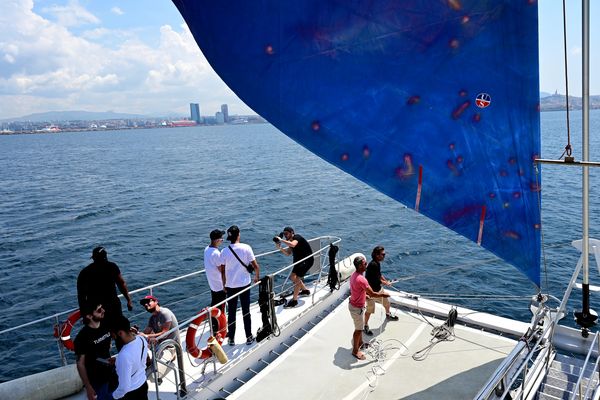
<point x="152" y="196"/>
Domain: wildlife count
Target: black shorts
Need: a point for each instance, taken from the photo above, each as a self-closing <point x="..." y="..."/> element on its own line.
<point x="302" y="268"/>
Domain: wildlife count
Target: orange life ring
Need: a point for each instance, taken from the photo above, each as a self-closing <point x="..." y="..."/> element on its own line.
<point x="63" y="331"/>
<point x="190" y="337"/>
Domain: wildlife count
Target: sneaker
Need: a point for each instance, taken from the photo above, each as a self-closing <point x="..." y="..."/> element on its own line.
<point x="367" y="330"/>
<point x="391" y="317"/>
<point x="305" y="292"/>
<point x="231" y="342"/>
<point x="249" y="340"/>
<point x="291" y="304"/>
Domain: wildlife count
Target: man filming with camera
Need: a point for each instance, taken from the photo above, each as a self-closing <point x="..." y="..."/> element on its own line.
<point x="300" y="249"/>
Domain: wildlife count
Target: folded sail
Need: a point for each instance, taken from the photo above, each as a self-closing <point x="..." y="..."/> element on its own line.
<point x="434" y="103"/>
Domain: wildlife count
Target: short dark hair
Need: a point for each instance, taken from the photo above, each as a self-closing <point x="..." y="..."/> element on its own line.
<point x="358" y="261"/>
<point x="120" y="323"/>
<point x="376" y="251"/>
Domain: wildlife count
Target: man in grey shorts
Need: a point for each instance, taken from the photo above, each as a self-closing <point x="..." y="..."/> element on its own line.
<point x="359" y="289"/>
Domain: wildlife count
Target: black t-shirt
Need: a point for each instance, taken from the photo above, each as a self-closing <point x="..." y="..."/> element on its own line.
<point x="302" y="250"/>
<point x="373" y="275"/>
<point x="94" y="343"/>
<point x="96" y="283"/>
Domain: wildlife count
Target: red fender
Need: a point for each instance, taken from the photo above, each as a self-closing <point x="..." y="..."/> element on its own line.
<point x="190" y="337"/>
<point x="63" y="331"/>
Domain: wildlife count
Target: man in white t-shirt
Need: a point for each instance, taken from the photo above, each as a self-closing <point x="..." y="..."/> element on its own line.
<point x="215" y="270"/>
<point x="238" y="259"/>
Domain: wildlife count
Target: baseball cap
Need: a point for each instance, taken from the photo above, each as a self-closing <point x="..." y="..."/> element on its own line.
<point x="216" y="234"/>
<point x="146" y="299"/>
<point x="99" y="253"/>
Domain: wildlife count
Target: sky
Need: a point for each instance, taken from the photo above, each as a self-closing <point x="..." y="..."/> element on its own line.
<point x="138" y="56"/>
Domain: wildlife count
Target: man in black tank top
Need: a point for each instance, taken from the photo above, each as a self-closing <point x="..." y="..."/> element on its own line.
<point x="300" y="249"/>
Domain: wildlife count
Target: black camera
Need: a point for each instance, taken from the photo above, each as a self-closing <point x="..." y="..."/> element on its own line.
<point x="278" y="237"/>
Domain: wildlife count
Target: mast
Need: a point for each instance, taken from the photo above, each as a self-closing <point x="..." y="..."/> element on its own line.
<point x="585" y="318"/>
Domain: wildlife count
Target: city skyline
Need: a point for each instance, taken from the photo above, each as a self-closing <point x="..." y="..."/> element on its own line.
<point x="139" y="57"/>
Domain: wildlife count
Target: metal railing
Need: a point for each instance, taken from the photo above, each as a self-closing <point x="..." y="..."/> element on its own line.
<point x="577" y="393"/>
<point x="498" y="385"/>
<point x="324" y="242"/>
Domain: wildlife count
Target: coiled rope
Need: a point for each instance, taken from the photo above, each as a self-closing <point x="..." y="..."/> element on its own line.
<point x="440" y="333"/>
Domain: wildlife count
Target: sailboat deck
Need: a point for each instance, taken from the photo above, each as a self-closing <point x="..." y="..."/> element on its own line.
<point x="324" y="367"/>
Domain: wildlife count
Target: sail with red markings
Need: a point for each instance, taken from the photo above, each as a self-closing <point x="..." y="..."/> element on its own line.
<point x="390" y="91"/>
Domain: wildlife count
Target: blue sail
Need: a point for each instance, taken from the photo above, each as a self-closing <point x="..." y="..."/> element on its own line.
<point x="434" y="103"/>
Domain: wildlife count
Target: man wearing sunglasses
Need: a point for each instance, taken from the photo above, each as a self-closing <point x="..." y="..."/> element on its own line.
<point x="376" y="280"/>
<point x="92" y="347"/>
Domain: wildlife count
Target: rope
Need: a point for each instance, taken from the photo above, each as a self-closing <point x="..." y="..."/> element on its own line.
<point x="379" y="351"/>
<point x="440" y="333"/>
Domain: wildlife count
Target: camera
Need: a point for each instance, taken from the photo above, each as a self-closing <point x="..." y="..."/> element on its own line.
<point x="278" y="237"/>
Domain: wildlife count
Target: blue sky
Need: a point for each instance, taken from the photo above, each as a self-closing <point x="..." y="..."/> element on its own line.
<point x="137" y="56"/>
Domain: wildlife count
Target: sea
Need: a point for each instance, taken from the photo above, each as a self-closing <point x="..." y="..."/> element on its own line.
<point x="151" y="197"/>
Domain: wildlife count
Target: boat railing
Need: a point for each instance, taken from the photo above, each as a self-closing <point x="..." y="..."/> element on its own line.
<point x="516" y="364"/>
<point x="206" y="312"/>
<point x="324" y="242"/>
<point x="578" y="392"/>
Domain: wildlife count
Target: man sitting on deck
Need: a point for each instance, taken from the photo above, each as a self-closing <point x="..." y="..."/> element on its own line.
<point x="359" y="289"/>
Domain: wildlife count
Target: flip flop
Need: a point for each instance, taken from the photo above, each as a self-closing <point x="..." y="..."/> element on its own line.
<point x="360" y="357"/>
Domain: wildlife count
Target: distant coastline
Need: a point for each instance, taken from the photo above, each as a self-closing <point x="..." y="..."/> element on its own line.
<point x="558" y="102"/>
<point x="20" y="126"/>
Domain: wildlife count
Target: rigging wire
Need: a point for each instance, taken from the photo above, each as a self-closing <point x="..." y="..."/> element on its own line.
<point x="539" y="200"/>
<point x="568" y="148"/>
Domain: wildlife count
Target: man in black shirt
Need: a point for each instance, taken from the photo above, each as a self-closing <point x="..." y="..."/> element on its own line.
<point x="92" y="347"/>
<point x="300" y="248"/>
<point x="376" y="279"/>
<point x="96" y="284"/>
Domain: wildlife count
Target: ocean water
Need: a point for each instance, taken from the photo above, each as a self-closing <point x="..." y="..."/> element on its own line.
<point x="151" y="197"/>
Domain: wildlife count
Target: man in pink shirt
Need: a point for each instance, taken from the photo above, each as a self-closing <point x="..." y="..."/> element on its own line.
<point x="359" y="289"/>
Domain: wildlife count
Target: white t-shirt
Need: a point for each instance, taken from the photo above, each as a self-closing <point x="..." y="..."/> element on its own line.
<point x="212" y="260"/>
<point x="236" y="275"/>
<point x="131" y="366"/>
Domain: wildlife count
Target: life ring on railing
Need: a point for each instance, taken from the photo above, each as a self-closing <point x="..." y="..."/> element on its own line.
<point x="190" y="337"/>
<point x="63" y="331"/>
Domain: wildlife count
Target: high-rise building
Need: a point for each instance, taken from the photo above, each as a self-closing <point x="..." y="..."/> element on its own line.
<point x="225" y="112"/>
<point x="220" y="118"/>
<point x="195" y="112"/>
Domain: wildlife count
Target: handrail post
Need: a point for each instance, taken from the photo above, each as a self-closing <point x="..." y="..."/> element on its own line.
<point x="61" y="350"/>
<point x="155" y="369"/>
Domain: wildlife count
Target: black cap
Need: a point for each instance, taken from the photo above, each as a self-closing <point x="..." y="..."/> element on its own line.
<point x="232" y="233"/>
<point x="99" y="253"/>
<point x="216" y="234"/>
<point x="288" y="229"/>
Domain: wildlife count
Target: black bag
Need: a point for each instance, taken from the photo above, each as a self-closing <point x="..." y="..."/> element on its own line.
<point x="248" y="267"/>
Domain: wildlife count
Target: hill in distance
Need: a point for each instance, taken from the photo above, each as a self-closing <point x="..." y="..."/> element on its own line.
<point x="75" y="116"/>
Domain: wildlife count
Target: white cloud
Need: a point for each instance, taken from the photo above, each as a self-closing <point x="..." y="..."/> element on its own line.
<point x="72" y="14"/>
<point x="45" y="66"/>
<point x="117" y="11"/>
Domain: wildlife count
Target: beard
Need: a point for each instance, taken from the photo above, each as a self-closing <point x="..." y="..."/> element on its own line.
<point x="151" y="310"/>
<point x="97" y="319"/>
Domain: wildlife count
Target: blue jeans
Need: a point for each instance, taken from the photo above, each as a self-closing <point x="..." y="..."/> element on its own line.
<point x="102" y="392"/>
<point x="232" y="309"/>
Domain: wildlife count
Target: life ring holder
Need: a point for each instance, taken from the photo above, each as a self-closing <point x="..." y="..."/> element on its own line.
<point x="63" y="331"/>
<point x="190" y="336"/>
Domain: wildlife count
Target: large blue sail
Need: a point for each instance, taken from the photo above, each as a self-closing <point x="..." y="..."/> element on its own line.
<point x="434" y="103"/>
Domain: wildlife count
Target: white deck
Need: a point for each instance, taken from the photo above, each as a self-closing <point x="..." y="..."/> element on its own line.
<point x="311" y="359"/>
<point x="324" y="368"/>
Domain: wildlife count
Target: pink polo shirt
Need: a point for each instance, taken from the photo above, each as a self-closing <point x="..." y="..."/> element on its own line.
<point x="358" y="293"/>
